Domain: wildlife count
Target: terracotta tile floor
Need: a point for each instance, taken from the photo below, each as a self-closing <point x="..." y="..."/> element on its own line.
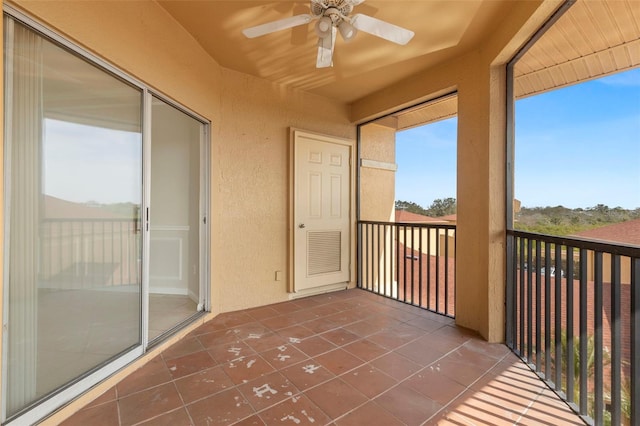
<point x="346" y="358"/>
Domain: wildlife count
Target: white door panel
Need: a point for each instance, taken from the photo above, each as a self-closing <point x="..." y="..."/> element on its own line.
<point x="321" y="211"/>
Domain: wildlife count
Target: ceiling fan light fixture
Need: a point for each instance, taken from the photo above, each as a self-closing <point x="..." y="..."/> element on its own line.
<point x="323" y="27"/>
<point x="347" y="31"/>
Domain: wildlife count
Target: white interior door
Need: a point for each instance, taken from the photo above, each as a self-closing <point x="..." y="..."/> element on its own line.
<point x="321" y="211"/>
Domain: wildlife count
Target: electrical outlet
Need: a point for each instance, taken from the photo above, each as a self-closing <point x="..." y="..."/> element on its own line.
<point x="278" y="275"/>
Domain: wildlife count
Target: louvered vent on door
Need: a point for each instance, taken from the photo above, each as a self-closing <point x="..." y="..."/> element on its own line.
<point x="323" y="251"/>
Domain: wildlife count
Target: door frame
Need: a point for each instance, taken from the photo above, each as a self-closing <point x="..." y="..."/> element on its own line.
<point x="294" y="135"/>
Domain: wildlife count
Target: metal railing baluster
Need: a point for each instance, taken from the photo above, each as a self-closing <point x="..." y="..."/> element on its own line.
<point x="372" y="280"/>
<point x="570" y="356"/>
<point x="420" y="283"/>
<point x="558" y="320"/>
<point x="437" y="256"/>
<point x="397" y="282"/>
<point x="634" y="386"/>
<point x="412" y="263"/>
<point x="385" y="260"/>
<point x="598" y="349"/>
<point x="532" y="266"/>
<point x="538" y="310"/>
<point x="429" y="255"/>
<point x="377" y="261"/>
<point x="547" y="310"/>
<point x="525" y="262"/>
<point x="446" y="272"/>
<point x="616" y="343"/>
<point x="359" y="282"/>
<point x="583" y="332"/>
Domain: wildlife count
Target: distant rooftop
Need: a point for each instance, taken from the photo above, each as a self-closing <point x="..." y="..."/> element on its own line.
<point x="449" y="217"/>
<point x="57" y="208"/>
<point x="405" y="216"/>
<point x="624" y="232"/>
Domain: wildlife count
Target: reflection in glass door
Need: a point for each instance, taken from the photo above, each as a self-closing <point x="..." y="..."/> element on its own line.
<point x="176" y="212"/>
<point x="73" y="155"/>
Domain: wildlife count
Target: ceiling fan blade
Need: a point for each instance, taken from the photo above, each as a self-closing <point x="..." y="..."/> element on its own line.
<point x="381" y="29"/>
<point x="325" y="49"/>
<point x="281" y="24"/>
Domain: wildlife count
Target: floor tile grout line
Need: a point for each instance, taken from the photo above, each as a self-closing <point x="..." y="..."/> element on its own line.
<point x="184" y="405"/>
<point x="528" y="407"/>
<point x="162" y="414"/>
<point x="115" y="389"/>
<point x="466" y="388"/>
<point x="369" y="400"/>
<point x="539" y="394"/>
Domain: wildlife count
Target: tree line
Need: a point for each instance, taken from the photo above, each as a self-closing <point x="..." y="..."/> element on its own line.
<point x="439" y="207"/>
<point x="558" y="220"/>
<point x="561" y="220"/>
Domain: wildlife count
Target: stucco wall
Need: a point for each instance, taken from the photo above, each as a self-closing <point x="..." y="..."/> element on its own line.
<point x="377" y="184"/>
<point x="250" y="175"/>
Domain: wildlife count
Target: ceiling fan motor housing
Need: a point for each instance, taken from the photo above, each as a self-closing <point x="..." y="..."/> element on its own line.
<point x="319" y="8"/>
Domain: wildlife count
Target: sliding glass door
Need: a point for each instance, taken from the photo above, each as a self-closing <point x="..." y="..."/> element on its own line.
<point x="176" y="217"/>
<point x="74" y="177"/>
<point x="105" y="221"/>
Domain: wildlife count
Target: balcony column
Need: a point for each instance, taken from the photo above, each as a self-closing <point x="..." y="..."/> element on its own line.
<point x="480" y="256"/>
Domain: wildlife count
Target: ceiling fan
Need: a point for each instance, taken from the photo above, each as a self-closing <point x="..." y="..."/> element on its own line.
<point x="332" y="16"/>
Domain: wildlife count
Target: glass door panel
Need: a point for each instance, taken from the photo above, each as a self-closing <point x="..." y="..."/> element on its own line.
<point x="73" y="164"/>
<point x="174" y="241"/>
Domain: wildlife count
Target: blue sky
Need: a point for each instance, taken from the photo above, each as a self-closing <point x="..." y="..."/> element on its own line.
<point x="91" y="163"/>
<point x="577" y="147"/>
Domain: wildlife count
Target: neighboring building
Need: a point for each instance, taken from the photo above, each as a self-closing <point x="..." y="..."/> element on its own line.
<point x="450" y="218"/>
<point x="626" y="233"/>
<point x="431" y="240"/>
<point x="410" y="217"/>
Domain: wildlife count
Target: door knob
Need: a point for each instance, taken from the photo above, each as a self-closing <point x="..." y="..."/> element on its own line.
<point x="301" y="226"/>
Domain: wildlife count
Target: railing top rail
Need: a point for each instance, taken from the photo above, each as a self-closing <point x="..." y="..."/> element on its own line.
<point x="413" y="224"/>
<point x="93" y="219"/>
<point x="582" y="243"/>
